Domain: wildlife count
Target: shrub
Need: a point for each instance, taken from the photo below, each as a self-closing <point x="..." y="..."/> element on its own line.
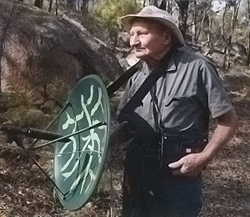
<point x="108" y="12"/>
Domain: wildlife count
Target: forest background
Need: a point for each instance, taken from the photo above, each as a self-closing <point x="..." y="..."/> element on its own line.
<point x="218" y="30"/>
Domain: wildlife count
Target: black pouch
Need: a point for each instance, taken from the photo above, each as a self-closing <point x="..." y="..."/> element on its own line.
<point x="139" y="128"/>
<point x="175" y="145"/>
<point x="169" y="150"/>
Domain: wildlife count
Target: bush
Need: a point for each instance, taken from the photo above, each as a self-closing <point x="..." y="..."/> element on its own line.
<point x="108" y="12"/>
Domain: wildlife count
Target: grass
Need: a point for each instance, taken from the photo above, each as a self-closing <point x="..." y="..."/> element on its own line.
<point x="24" y="191"/>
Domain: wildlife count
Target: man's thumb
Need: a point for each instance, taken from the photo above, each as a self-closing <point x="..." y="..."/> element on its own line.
<point x="175" y="165"/>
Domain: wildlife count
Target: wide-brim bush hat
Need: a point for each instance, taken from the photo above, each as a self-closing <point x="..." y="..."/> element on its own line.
<point x="154" y="13"/>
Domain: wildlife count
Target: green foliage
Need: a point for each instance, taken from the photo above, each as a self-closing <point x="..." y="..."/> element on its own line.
<point x="108" y="13"/>
<point x="16" y="108"/>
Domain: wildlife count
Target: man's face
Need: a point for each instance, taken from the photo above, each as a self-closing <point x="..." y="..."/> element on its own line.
<point x="147" y="41"/>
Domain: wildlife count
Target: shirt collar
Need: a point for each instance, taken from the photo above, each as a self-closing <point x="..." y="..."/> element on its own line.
<point x="171" y="66"/>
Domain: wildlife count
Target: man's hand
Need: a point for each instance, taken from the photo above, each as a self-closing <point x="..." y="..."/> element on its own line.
<point x="192" y="164"/>
<point x="189" y="165"/>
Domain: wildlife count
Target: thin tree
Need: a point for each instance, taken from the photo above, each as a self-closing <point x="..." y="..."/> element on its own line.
<point x="202" y="19"/>
<point x="163" y="5"/>
<point x="50" y="5"/>
<point x="235" y="4"/>
<point x="154" y="2"/>
<point x="169" y="6"/>
<point x="3" y="33"/>
<point x="84" y="6"/>
<point x="183" y="6"/>
<point x="56" y="7"/>
<point x="38" y="3"/>
<point x="248" y="55"/>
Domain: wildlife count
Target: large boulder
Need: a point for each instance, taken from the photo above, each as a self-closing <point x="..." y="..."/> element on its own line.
<point x="43" y="55"/>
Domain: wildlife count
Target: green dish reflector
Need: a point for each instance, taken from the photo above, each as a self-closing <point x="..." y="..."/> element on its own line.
<point x="78" y="164"/>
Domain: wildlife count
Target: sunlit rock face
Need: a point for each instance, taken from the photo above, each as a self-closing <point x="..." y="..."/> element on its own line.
<point x="43" y="56"/>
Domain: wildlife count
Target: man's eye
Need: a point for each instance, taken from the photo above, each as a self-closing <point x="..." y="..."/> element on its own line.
<point x="142" y="33"/>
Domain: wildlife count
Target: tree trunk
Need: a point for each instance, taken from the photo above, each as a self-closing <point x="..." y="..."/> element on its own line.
<point x="163" y="5"/>
<point x="223" y="21"/>
<point x="3" y="33"/>
<point x="39" y="3"/>
<point x="169" y="6"/>
<point x="154" y="2"/>
<point x="205" y="28"/>
<point x="183" y="6"/>
<point x="56" y="7"/>
<point x="248" y="55"/>
<point x="50" y="5"/>
<point x="84" y="7"/>
<point x="234" y="20"/>
<point x="234" y="17"/>
<point x="210" y="27"/>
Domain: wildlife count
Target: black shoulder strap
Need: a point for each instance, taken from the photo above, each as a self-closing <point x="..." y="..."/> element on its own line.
<point x="123" y="78"/>
<point x="136" y="99"/>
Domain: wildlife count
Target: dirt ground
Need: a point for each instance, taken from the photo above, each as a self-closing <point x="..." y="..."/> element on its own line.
<point x="25" y="191"/>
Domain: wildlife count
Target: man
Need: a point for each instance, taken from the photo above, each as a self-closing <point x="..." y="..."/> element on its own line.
<point x="163" y="165"/>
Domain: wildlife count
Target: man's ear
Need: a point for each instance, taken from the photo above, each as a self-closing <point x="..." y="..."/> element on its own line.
<point x="168" y="37"/>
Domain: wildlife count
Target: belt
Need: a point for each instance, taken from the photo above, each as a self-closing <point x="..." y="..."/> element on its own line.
<point x="172" y="147"/>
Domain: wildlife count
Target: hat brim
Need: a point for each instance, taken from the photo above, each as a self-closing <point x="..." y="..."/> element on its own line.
<point x="127" y="24"/>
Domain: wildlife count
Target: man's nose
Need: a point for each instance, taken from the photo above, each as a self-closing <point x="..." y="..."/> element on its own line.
<point x="134" y="40"/>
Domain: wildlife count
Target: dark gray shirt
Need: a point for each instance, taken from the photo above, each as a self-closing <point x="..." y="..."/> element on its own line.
<point x="187" y="93"/>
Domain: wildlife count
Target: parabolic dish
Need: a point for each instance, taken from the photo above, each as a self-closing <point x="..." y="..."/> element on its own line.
<point x="78" y="164"/>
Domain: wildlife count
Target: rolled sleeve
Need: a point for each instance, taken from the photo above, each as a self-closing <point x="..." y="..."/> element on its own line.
<point x="218" y="102"/>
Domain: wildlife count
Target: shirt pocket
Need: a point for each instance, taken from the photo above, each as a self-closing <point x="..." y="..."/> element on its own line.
<point x="180" y="104"/>
<point x="175" y="101"/>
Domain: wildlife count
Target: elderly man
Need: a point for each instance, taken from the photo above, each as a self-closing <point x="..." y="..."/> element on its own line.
<point x="169" y="124"/>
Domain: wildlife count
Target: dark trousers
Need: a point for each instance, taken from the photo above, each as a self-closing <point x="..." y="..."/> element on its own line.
<point x="149" y="191"/>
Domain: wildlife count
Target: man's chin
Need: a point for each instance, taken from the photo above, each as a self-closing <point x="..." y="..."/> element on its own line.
<point x="140" y="55"/>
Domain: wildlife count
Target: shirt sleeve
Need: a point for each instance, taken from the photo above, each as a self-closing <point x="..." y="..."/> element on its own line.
<point x="217" y="101"/>
<point x="125" y="98"/>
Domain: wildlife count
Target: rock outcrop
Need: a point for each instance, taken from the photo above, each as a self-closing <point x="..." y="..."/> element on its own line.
<point x="43" y="55"/>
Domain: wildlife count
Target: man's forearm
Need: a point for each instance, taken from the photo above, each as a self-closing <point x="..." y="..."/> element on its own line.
<point x="192" y="164"/>
<point x="227" y="125"/>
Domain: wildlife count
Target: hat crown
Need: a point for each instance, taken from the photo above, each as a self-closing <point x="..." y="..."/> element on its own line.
<point x="152" y="11"/>
<point x="155" y="13"/>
